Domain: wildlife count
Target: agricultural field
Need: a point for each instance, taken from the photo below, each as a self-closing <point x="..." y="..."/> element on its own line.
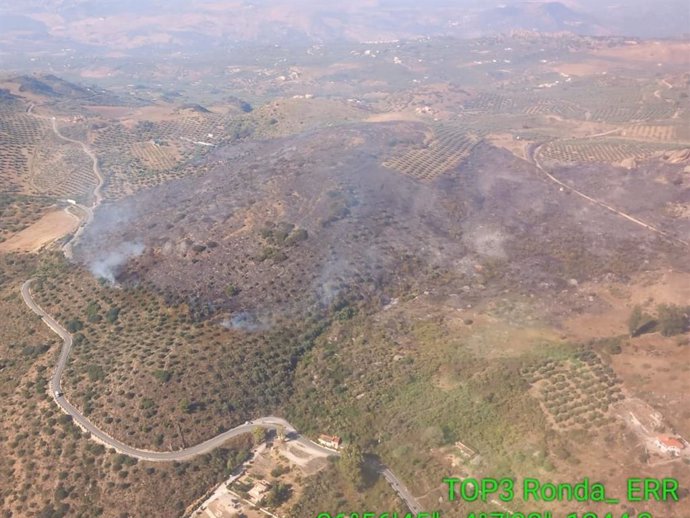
<point x="560" y="107"/>
<point x="48" y="467"/>
<point x="152" y="152"/>
<point x="17" y="212"/>
<point x="575" y="392"/>
<point x="134" y="353"/>
<point x="156" y="156"/>
<point x="309" y="255"/>
<point x="663" y="133"/>
<point x="62" y="169"/>
<point x="443" y="152"/>
<point x="21" y="137"/>
<point x="605" y="150"/>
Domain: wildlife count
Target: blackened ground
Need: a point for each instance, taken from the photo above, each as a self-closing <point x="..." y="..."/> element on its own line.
<point x="276" y="228"/>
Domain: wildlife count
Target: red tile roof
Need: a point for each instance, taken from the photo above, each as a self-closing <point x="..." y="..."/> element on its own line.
<point x="671" y="442"/>
<point x="330" y="438"/>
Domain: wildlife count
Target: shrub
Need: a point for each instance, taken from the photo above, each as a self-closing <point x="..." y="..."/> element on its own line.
<point x="112" y="315"/>
<point x="639" y="322"/>
<point x="673" y="320"/>
<point x="93" y="312"/>
<point x="163" y="375"/>
<point x="75" y="325"/>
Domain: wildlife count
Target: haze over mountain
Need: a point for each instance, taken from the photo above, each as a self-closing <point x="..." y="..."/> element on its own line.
<point x="129" y="26"/>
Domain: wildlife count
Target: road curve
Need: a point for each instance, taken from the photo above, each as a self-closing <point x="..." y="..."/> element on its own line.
<point x="109" y="441"/>
<point x="185" y="454"/>
<point x="97" y="196"/>
<point x="157" y="456"/>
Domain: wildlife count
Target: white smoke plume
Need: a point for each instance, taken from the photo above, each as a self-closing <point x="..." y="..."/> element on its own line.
<point x="107" y="267"/>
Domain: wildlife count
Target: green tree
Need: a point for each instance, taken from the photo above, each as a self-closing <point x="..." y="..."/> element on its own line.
<point x="673" y="320"/>
<point x="231" y="290"/>
<point x="93" y="312"/>
<point x="163" y="375"/>
<point x="259" y="434"/>
<point x="351" y="464"/>
<point x="635" y="320"/>
<point x="278" y="494"/>
<point x="75" y="325"/>
<point x="639" y="322"/>
<point x="186" y="406"/>
<point x="112" y="315"/>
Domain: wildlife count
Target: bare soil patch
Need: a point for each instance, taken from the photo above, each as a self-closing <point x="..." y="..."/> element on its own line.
<point x="616" y="301"/>
<point x="49" y="228"/>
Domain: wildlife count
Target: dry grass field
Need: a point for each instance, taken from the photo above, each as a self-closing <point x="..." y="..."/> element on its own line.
<point x="17" y="212"/>
<point x="51" y="227"/>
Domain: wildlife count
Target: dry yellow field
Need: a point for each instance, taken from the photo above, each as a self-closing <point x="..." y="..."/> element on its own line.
<point x="49" y="228"/>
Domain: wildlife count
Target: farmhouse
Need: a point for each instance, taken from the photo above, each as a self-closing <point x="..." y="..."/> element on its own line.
<point x="330" y="441"/>
<point x="668" y="444"/>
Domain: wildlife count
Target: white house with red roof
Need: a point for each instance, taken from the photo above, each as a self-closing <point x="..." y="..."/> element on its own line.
<point x="670" y="444"/>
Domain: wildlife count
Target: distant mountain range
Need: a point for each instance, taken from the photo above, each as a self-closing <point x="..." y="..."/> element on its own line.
<point x="130" y="25"/>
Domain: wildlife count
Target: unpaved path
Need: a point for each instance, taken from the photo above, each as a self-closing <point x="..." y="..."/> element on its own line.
<point x="88" y="211"/>
<point x="533" y="154"/>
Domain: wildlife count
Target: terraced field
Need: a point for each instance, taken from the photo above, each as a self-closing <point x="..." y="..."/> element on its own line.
<point x="565" y="109"/>
<point x="489" y="102"/>
<point x="448" y="148"/>
<point x="664" y="133"/>
<point x="156" y="156"/>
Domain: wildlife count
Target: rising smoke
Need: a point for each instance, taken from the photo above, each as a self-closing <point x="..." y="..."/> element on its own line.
<point x="245" y="321"/>
<point x="108" y="266"/>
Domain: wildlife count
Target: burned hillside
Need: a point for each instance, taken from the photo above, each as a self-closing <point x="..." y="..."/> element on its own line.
<point x="277" y="228"/>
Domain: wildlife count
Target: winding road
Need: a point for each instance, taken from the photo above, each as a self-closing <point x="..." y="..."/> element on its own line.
<point x="88" y="212"/>
<point x="97" y="197"/>
<point x="187" y="453"/>
<point x="148" y="455"/>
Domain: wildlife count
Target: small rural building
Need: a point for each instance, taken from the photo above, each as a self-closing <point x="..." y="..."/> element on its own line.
<point x="465" y="450"/>
<point x="330" y="441"/>
<point x="669" y="444"/>
<point x="257" y="492"/>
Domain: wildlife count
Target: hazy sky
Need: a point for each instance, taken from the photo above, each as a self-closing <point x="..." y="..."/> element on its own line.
<point x="34" y="25"/>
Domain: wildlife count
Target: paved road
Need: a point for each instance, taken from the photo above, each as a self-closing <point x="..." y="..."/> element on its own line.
<point x="400" y="488"/>
<point x="97" y="197"/>
<point x="157" y="456"/>
<point x="102" y="437"/>
<point x="185" y="454"/>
